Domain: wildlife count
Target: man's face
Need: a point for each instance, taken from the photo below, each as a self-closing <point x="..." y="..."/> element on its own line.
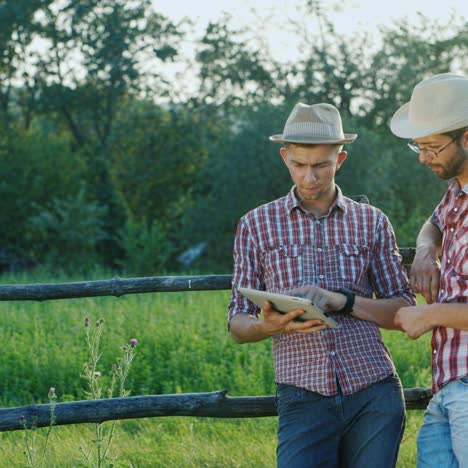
<point x="312" y="169"/>
<point x="446" y="157"/>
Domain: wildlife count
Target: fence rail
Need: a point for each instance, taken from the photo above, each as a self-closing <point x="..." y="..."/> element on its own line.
<point x="212" y="404"/>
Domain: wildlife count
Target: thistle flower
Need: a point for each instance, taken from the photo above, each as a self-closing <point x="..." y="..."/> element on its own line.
<point x="86" y="322"/>
<point x="52" y="395"/>
<point x="133" y="342"/>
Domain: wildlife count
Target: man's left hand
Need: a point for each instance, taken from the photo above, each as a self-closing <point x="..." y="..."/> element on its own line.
<point x="328" y="301"/>
<point x="415" y="320"/>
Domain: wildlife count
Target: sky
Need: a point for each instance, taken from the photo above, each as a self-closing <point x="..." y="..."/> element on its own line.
<point x="273" y="17"/>
<point x="347" y="13"/>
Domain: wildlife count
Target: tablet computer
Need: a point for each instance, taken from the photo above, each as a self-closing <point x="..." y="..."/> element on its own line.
<point x="284" y="303"/>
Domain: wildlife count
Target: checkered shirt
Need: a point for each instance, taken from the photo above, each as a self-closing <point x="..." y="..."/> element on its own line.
<point x="450" y="346"/>
<point x="279" y="246"/>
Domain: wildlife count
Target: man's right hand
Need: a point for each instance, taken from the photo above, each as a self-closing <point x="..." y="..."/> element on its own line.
<point x="245" y="328"/>
<point x="275" y="322"/>
<point x="425" y="273"/>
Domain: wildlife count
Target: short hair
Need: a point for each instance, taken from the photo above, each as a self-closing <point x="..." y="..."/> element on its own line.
<point x="288" y="144"/>
<point x="457" y="133"/>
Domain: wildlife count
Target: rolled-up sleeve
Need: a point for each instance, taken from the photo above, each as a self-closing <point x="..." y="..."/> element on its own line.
<point x="248" y="270"/>
<point x="388" y="276"/>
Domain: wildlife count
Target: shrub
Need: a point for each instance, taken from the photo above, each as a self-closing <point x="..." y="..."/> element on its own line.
<point x="146" y="246"/>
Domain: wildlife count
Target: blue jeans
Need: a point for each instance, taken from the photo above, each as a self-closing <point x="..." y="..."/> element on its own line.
<point x="443" y="438"/>
<point x="359" y="430"/>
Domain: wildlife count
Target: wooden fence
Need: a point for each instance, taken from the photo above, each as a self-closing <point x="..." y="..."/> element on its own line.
<point x="213" y="404"/>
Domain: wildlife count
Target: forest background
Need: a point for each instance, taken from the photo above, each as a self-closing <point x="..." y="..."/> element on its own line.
<point x="106" y="161"/>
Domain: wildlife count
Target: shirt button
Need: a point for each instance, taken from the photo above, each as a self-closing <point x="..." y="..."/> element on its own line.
<point x="455" y="209"/>
<point x="319" y="249"/>
<point x="321" y="276"/>
<point x="451" y="229"/>
<point x="435" y="352"/>
<point x="318" y="221"/>
<point x="442" y="290"/>
<point x="449" y="261"/>
<point x="332" y="353"/>
<point x="356" y="252"/>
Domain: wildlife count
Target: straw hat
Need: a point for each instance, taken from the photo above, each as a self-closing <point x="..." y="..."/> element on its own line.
<point x="438" y="104"/>
<point x="315" y="124"/>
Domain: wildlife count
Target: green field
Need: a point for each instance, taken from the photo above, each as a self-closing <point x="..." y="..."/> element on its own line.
<point x="183" y="347"/>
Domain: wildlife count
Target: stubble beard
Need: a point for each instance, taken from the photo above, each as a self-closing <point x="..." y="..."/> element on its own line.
<point x="455" y="166"/>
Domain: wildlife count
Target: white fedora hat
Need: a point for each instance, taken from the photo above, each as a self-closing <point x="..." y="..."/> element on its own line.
<point x="315" y="124"/>
<point x="438" y="104"/>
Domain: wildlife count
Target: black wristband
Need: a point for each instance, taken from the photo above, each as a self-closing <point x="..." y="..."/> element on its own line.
<point x="350" y="298"/>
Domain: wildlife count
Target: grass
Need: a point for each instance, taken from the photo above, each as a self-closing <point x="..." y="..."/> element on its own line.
<point x="183" y="347"/>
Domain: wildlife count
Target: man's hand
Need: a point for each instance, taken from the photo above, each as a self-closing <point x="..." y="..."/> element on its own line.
<point x="275" y="322"/>
<point x="245" y="328"/>
<point x="415" y="320"/>
<point x="425" y="273"/>
<point x="328" y="301"/>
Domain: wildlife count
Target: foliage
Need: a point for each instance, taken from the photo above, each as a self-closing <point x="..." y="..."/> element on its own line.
<point x="155" y="172"/>
<point x="103" y="435"/>
<point x="76" y="227"/>
<point x="231" y="72"/>
<point x="35" y="168"/>
<point x="35" y="449"/>
<point x="147" y="250"/>
<point x="93" y="107"/>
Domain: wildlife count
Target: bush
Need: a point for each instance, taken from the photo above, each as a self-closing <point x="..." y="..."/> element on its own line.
<point x="66" y="234"/>
<point x="35" y="169"/>
<point x="146" y="246"/>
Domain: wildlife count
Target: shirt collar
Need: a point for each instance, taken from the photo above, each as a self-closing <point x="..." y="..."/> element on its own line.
<point x="292" y="202"/>
<point x="456" y="189"/>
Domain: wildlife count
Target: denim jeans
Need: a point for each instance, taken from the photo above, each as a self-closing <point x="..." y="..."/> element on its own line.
<point x="443" y="438"/>
<point x="359" y="430"/>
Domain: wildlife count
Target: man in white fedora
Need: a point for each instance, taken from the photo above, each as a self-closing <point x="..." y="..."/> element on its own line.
<point x="436" y="120"/>
<point x="339" y="400"/>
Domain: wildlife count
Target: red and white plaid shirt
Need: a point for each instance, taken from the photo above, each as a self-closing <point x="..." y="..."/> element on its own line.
<point x="279" y="246"/>
<point x="450" y="346"/>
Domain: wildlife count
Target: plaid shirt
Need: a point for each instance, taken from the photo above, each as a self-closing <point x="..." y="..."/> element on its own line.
<point x="450" y="346"/>
<point x="279" y="246"/>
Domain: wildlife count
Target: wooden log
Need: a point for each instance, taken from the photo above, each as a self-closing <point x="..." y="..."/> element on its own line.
<point x="114" y="287"/>
<point x="212" y="404"/>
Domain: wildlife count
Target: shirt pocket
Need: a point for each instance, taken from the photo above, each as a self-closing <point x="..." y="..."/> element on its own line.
<point x="353" y="263"/>
<point x="284" y="266"/>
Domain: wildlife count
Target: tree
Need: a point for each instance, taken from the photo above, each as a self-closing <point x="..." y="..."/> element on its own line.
<point x="18" y="28"/>
<point x="102" y="51"/>
<point x="231" y="72"/>
<point x="409" y="53"/>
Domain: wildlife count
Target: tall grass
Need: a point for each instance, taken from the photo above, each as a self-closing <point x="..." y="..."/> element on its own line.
<point x="183" y="346"/>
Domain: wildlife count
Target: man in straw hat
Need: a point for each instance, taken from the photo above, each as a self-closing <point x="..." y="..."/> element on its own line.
<point x="340" y="401"/>
<point x="436" y="120"/>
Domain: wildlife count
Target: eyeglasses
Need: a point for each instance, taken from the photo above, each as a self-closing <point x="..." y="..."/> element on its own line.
<point x="433" y="154"/>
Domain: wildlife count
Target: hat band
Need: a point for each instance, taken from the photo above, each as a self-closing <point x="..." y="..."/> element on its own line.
<point x="312" y="130"/>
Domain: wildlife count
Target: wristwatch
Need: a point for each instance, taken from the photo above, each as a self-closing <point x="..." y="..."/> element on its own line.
<point x="350" y="298"/>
